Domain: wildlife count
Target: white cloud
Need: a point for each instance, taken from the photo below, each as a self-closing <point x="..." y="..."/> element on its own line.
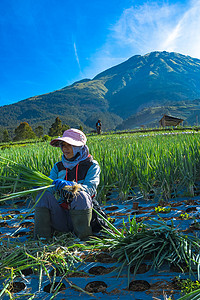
<point x="151" y="27"/>
<point x="142" y="28"/>
<point x="76" y="56"/>
<point x="186" y="35"/>
<point x="167" y="27"/>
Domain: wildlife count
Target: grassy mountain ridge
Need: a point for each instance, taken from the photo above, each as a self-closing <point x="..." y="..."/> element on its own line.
<point x="74" y="105"/>
<point x="113" y="95"/>
<point x="149" y="79"/>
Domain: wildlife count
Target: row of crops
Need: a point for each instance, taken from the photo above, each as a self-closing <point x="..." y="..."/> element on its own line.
<point x="164" y="165"/>
<point x="160" y="165"/>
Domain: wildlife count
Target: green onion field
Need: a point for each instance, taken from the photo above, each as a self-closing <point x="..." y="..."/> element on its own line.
<point x="165" y="165"/>
<point x="152" y="252"/>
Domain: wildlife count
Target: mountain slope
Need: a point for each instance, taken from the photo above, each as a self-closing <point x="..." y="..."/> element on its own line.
<point x="119" y="92"/>
<point x="189" y="111"/>
<point x="74" y="105"/>
<point x="153" y="78"/>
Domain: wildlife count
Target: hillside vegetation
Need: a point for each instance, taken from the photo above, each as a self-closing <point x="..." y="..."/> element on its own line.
<point x="140" y="90"/>
<point x="189" y="111"/>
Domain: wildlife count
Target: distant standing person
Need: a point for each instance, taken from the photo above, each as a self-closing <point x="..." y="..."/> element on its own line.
<point x="98" y="126"/>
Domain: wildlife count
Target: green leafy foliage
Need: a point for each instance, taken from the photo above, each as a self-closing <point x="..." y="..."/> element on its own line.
<point x="65" y="127"/>
<point x="37" y="258"/>
<point x="162" y="209"/>
<point x="24" y="132"/>
<point x="155" y="241"/>
<point x="46" y="138"/>
<point x="56" y="128"/>
<point x="39" y="131"/>
<point x="187" y="285"/>
<point x="185" y="216"/>
<point x="24" y="179"/>
<point x="6" y="138"/>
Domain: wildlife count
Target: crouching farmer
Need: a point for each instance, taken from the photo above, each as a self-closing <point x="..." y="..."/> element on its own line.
<point x="70" y="213"/>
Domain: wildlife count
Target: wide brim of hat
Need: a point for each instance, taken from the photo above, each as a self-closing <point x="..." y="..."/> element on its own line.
<point x="56" y="142"/>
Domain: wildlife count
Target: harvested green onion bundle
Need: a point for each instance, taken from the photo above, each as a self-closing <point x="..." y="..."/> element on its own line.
<point x="158" y="242"/>
<point x="24" y="177"/>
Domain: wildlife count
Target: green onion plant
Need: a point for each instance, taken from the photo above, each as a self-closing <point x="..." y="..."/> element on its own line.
<point x="155" y="241"/>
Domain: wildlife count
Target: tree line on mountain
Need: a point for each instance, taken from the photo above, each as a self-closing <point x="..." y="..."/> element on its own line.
<point x="25" y="132"/>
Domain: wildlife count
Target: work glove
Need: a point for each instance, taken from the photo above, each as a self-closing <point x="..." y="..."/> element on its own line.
<point x="61" y="183"/>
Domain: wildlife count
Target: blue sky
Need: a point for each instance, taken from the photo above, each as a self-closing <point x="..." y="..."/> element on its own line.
<point x="46" y="45"/>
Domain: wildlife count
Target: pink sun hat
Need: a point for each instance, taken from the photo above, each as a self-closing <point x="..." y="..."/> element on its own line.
<point x="71" y="136"/>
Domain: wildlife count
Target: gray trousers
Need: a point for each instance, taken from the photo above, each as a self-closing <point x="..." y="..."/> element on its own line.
<point x="60" y="217"/>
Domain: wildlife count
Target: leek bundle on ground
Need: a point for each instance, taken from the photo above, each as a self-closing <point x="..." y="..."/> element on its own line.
<point x="20" y="180"/>
<point x="155" y="241"/>
<point x="32" y="255"/>
<point x="47" y="262"/>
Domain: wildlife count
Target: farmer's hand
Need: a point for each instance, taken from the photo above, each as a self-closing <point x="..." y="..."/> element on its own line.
<point x="61" y="183"/>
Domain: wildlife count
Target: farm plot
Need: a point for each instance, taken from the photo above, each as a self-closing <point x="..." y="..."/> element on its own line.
<point x="160" y="173"/>
<point x="78" y="271"/>
<point x="162" y="166"/>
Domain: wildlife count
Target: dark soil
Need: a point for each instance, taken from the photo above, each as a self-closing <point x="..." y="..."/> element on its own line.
<point x="97" y="270"/>
<point x="58" y="272"/>
<point x="136" y="212"/>
<point x="27" y="271"/>
<point x="191" y="202"/>
<point x="143" y="268"/>
<point x="13" y="212"/>
<point x="27" y="224"/>
<point x="140" y="219"/>
<point x="100" y="257"/>
<point x="175" y="268"/>
<point x="115" y="292"/>
<point x="158" y="287"/>
<point x="29" y="218"/>
<point x="105" y="258"/>
<point x="188" y="230"/>
<point x="4" y="224"/>
<point x="195" y="226"/>
<point x="6" y="236"/>
<point x="20" y="203"/>
<point x="47" y="288"/>
<point x="16" y="287"/>
<point x="146" y="208"/>
<point x="139" y="285"/>
<point x="70" y="274"/>
<point x="21" y="233"/>
<point x="108" y="194"/>
<point x="96" y="287"/>
<point x="81" y="274"/>
<point x="119" y="214"/>
<point x="100" y="270"/>
<point x="165" y="219"/>
<point x="191" y="209"/>
<point x="111" y="208"/>
<point x="176" y="204"/>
